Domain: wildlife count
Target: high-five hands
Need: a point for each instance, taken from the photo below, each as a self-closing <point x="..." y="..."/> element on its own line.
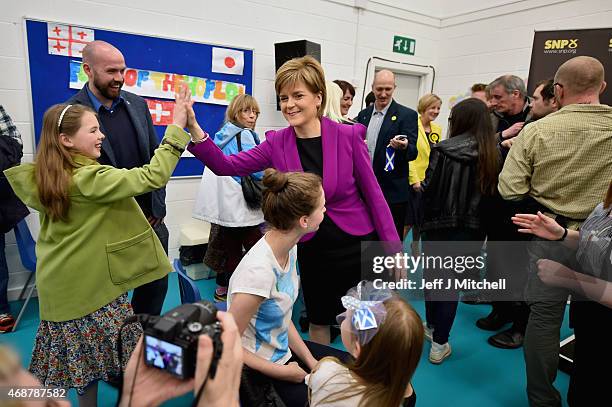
<point x="182" y="105"/>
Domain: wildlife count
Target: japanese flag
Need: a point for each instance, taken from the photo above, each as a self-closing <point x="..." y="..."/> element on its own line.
<point x="228" y="61"/>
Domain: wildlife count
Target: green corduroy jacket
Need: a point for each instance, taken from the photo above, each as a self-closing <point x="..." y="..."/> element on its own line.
<point x="107" y="246"/>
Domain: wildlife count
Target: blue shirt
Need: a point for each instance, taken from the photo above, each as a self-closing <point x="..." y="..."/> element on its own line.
<point x="97" y="104"/>
<point x="374" y="128"/>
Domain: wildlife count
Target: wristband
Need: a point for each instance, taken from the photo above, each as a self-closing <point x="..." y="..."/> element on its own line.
<point x="564" y="235"/>
<point x="203" y="139"/>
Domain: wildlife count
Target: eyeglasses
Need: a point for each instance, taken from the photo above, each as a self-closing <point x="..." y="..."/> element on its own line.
<point x="249" y="110"/>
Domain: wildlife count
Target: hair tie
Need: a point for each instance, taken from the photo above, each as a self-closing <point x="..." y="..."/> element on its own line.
<point x="365" y="309"/>
<point x="59" y="122"/>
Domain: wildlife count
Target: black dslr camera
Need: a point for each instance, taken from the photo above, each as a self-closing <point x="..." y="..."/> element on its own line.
<point x="171" y="340"/>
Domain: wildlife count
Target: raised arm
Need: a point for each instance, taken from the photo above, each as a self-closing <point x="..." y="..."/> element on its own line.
<point x="103" y="183"/>
<point x="204" y="149"/>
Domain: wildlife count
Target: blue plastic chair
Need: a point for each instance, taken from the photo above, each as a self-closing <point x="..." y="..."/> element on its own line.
<point x="27" y="252"/>
<point x="187" y="288"/>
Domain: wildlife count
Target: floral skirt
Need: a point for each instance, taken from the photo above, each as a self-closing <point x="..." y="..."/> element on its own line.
<point x="79" y="352"/>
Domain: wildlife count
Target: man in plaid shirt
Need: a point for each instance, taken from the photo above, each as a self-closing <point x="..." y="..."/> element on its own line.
<point x="7" y="128"/>
<point x="563" y="162"/>
<point x="12" y="210"/>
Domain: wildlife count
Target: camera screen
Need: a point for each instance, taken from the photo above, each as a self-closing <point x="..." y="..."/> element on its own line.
<point x="164" y="355"/>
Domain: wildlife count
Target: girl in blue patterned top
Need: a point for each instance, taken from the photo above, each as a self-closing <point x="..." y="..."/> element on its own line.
<point x="265" y="285"/>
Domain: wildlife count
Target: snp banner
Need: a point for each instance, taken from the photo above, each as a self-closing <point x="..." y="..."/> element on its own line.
<point x="552" y="48"/>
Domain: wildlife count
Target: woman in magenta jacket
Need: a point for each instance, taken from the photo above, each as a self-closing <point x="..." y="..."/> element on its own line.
<point x="329" y="259"/>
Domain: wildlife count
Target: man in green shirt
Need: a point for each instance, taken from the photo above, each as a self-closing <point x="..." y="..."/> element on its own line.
<point x="563" y="162"/>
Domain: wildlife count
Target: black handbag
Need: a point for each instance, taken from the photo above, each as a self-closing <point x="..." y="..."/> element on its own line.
<point x="252" y="189"/>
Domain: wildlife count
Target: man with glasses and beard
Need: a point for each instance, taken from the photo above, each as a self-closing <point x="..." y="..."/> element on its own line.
<point x="130" y="142"/>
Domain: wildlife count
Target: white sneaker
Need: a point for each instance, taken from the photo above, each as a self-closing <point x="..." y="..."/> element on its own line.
<point x="438" y="352"/>
<point x="428" y="332"/>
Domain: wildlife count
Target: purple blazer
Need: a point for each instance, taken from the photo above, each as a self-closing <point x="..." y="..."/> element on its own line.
<point x="354" y="200"/>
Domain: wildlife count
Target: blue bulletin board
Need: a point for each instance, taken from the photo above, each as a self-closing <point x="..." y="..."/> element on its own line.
<point x="147" y="57"/>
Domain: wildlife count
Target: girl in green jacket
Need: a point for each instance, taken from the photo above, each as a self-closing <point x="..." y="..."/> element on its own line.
<point x="94" y="245"/>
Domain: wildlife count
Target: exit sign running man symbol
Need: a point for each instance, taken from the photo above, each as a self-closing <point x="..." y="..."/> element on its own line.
<point x="404" y="45"/>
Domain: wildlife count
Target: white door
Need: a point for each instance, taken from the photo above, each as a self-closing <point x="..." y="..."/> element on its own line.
<point x="408" y="89"/>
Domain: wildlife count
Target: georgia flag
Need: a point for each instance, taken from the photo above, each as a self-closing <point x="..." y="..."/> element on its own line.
<point x="228" y="61"/>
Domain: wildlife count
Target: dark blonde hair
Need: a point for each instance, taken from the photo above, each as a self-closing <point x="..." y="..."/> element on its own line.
<point x="53" y="163"/>
<point x="305" y="69"/>
<point x="289" y="196"/>
<point x="426" y="101"/>
<point x="237" y="105"/>
<point x="382" y="380"/>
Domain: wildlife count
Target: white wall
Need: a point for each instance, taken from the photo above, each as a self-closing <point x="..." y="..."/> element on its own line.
<point x="467" y="41"/>
<point x="481" y="46"/>
<point x="348" y="37"/>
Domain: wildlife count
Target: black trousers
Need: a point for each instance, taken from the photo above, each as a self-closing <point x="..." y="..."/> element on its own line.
<point x="517" y="312"/>
<point x="149" y="298"/>
<point x="296" y="394"/>
<point x="398" y="212"/>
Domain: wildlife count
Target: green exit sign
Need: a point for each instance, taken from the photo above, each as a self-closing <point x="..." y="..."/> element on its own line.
<point x="403" y="45"/>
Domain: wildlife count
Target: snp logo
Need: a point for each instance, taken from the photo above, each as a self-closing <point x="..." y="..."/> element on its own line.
<point x="561" y="44"/>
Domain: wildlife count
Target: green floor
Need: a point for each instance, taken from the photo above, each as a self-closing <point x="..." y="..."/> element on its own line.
<point x="475" y="375"/>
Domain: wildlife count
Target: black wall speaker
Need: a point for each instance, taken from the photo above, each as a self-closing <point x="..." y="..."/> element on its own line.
<point x="284" y="51"/>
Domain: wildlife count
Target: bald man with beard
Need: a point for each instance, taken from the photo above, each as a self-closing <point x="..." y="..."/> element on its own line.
<point x="130" y="142"/>
<point x="564" y="163"/>
<point x="385" y="120"/>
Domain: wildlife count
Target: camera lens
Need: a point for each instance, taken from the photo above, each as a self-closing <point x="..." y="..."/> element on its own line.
<point x="194" y="327"/>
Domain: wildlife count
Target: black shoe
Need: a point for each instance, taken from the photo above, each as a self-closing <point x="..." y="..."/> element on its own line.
<point x="508" y="339"/>
<point x="492" y="322"/>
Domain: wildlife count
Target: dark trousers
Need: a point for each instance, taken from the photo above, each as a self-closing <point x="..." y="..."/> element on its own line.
<point x="296" y="394"/>
<point x="542" y="337"/>
<point x="398" y="212"/>
<point x="441" y="303"/>
<point x="592" y="324"/>
<point x="517" y="312"/>
<point x="149" y="298"/>
<point x="236" y="241"/>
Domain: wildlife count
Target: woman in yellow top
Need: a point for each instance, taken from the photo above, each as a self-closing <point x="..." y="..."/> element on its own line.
<point x="429" y="133"/>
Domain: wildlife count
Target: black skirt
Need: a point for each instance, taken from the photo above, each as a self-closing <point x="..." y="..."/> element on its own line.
<point x="330" y="264"/>
<point x="414" y="209"/>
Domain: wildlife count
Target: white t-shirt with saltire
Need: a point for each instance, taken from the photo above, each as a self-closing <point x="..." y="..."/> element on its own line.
<point x="259" y="273"/>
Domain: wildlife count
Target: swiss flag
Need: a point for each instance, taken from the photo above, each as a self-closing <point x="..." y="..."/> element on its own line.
<point x="228" y="61"/>
<point x="162" y="111"/>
